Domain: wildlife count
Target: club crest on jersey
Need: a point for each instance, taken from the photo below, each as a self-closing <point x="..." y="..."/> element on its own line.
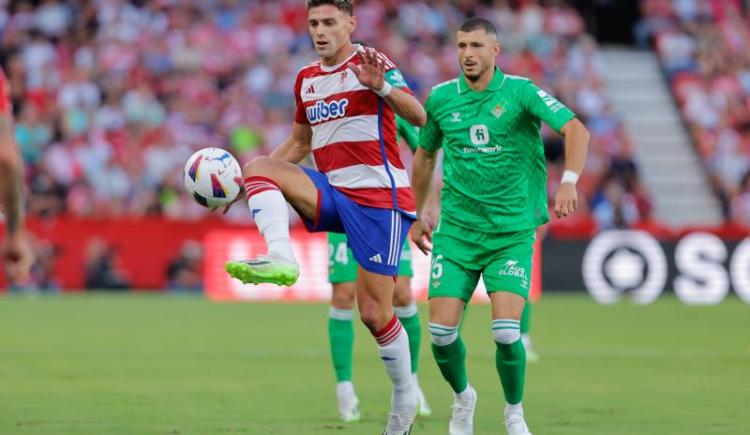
<point x="497" y="112"/>
<point x="322" y="111"/>
<point x="344" y="75"/>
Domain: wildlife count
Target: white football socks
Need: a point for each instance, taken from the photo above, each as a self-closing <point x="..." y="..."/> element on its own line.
<point x="393" y="345"/>
<point x="271" y="215"/>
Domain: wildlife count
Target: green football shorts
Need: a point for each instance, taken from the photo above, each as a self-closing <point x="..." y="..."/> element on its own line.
<point x="460" y="256"/>
<point x="342" y="267"/>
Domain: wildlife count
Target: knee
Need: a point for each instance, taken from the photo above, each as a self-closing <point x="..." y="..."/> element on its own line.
<point x="443" y="335"/>
<point x="343" y="299"/>
<point x="402" y="298"/>
<point x="506" y="333"/>
<point x="259" y="166"/>
<point x="371" y="317"/>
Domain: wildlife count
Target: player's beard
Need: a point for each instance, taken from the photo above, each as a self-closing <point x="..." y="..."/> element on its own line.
<point x="474" y="77"/>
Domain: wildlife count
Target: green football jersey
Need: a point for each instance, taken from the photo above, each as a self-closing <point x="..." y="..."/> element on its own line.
<point x="407" y="131"/>
<point x="494" y="170"/>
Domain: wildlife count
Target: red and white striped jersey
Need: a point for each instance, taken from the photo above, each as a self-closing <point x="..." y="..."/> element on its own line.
<point x="354" y="134"/>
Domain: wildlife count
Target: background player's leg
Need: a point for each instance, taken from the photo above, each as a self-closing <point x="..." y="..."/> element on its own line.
<point x="406" y="310"/>
<point x="510" y="357"/>
<point x="375" y="301"/>
<point x="447" y="345"/>
<point x="341" y="340"/>
<point x="531" y="356"/>
<point x="450" y="356"/>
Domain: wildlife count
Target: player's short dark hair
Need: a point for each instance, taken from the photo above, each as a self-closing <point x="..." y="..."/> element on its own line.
<point x="476" y="23"/>
<point x="343" y="5"/>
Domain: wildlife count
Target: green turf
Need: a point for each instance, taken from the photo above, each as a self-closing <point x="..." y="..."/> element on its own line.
<point x="179" y="365"/>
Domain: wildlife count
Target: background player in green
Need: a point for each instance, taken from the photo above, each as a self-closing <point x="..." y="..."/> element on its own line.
<point x="494" y="197"/>
<point x="342" y="274"/>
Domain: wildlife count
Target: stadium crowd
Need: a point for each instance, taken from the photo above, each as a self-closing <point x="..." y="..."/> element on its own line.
<point x="704" y="46"/>
<point x="112" y="96"/>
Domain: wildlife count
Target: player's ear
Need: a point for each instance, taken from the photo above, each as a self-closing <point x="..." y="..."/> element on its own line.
<point x="496" y="49"/>
<point x="352" y="23"/>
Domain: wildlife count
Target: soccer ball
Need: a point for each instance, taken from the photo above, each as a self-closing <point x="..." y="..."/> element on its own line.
<point x="213" y="177"/>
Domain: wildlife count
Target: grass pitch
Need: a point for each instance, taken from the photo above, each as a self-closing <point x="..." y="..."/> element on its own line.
<point x="154" y="364"/>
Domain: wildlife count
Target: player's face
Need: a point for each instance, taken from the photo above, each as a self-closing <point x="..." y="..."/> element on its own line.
<point x="477" y="51"/>
<point x="330" y="29"/>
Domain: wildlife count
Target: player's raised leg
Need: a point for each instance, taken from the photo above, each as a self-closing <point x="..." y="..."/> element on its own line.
<point x="406" y="310"/>
<point x="269" y="184"/>
<point x="450" y="354"/>
<point x="375" y="301"/>
<point x="510" y="356"/>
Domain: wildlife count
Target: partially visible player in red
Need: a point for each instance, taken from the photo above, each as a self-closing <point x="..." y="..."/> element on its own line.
<point x="16" y="253"/>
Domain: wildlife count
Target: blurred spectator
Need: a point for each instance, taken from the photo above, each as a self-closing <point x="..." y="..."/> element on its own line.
<point x="102" y="269"/>
<point x="184" y="271"/>
<point x="113" y="96"/>
<point x="43" y="269"/>
<point x="704" y="47"/>
<point x="741" y="203"/>
<point x="42" y="273"/>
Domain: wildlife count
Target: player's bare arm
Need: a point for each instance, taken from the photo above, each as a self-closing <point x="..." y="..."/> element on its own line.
<point x="297" y="146"/>
<point x="16" y="251"/>
<point x="371" y="73"/>
<point x="423" y="168"/>
<point x="576" y="147"/>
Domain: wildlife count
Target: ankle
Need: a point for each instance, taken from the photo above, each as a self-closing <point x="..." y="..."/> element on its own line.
<point x="513" y="409"/>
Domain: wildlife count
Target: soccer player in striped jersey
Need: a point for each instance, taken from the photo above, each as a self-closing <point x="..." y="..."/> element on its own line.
<point x="16" y="252"/>
<point x="342" y="273"/>
<point x="346" y="103"/>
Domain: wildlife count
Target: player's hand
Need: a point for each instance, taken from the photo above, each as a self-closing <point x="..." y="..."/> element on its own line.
<point x="17" y="257"/>
<point x="371" y="71"/>
<point x="420" y="235"/>
<point x="240" y="196"/>
<point x="566" y="200"/>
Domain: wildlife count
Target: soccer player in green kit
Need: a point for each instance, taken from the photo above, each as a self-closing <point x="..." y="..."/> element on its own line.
<point x="493" y="199"/>
<point x="342" y="274"/>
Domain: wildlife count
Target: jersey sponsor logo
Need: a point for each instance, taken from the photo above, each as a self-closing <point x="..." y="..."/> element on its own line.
<point x="550" y="101"/>
<point x="512" y="269"/>
<point x="483" y="150"/>
<point x="479" y="134"/>
<point x="322" y="111"/>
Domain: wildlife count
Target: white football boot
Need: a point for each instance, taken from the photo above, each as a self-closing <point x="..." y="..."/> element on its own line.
<point x="515" y="424"/>
<point x="462" y="420"/>
<point x="424" y="409"/>
<point x="348" y="402"/>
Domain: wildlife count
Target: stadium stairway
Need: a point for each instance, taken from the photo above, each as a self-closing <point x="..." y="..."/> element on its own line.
<point x="668" y="162"/>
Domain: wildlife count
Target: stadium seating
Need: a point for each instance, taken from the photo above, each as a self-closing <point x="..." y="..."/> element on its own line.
<point x="112" y="97"/>
<point x="705" y="51"/>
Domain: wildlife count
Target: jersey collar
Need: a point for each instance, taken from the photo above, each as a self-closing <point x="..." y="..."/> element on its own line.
<point x="497" y="81"/>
